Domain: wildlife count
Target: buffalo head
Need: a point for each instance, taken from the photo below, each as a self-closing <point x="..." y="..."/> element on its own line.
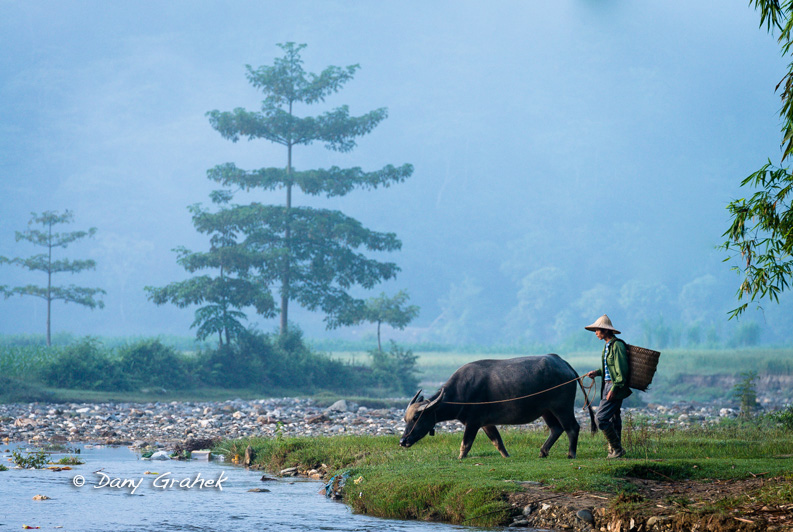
<point x="419" y="418"/>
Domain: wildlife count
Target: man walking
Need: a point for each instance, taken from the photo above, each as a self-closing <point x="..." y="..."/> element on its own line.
<point x="614" y="386"/>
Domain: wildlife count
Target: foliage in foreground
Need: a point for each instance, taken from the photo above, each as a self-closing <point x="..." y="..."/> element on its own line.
<point x="428" y="482"/>
<point x="761" y="233"/>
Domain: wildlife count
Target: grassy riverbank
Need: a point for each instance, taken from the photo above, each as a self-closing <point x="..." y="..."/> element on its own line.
<point x="427" y="481"/>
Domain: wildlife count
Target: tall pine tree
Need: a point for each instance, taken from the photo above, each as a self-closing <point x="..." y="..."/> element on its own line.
<point x="49" y="239"/>
<point x="314" y="255"/>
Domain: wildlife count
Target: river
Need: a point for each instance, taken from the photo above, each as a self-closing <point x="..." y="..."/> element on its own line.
<point x="117" y="491"/>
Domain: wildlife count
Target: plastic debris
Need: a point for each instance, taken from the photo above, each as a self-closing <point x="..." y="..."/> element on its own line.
<point x="334" y="489"/>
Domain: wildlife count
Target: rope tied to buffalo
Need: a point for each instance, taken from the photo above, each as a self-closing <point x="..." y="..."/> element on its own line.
<point x="587" y="391"/>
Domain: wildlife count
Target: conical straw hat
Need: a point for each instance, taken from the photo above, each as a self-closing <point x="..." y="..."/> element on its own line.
<point x="602" y="322"/>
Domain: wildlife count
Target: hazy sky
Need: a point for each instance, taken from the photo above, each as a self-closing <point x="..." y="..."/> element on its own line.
<point x="600" y="139"/>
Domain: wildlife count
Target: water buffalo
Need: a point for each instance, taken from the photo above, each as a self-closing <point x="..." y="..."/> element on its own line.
<point x="487" y="393"/>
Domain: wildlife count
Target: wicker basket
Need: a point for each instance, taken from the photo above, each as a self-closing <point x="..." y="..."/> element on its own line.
<point x="643" y="363"/>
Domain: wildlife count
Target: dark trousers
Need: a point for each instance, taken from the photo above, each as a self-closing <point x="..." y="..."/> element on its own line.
<point x="608" y="415"/>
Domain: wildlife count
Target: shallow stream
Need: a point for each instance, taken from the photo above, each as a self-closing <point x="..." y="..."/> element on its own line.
<point x="112" y="491"/>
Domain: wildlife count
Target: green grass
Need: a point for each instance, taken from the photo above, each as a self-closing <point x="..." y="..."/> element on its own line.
<point x="428" y="482"/>
<point x="21" y="361"/>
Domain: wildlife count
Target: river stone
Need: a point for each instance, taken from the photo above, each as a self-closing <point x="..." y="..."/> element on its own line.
<point x="160" y="455"/>
<point x="338" y="406"/>
<point x="586" y="515"/>
<point x="319" y="418"/>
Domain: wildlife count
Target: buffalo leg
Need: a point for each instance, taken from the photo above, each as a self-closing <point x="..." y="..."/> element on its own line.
<point x="556" y="431"/>
<point x="468" y="439"/>
<point x="495" y="437"/>
<point x="571" y="427"/>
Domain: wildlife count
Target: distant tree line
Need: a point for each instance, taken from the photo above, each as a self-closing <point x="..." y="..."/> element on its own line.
<point x="272" y="364"/>
<point x="548" y="311"/>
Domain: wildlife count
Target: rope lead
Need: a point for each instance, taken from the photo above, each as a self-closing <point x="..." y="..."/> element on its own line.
<point x="586" y="394"/>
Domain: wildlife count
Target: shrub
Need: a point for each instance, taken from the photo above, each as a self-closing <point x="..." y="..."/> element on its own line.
<point x="783" y="417"/>
<point x="150" y="363"/>
<point x="395" y="369"/>
<point x="262" y="362"/>
<point x="31" y="460"/>
<point x="746" y="393"/>
<point x="245" y="364"/>
<point x="84" y="365"/>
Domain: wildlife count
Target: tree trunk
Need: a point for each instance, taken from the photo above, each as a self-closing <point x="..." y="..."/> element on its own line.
<point x="379" y="347"/>
<point x="287" y="236"/>
<point x="49" y="305"/>
<point x="49" y="287"/>
<point x="287" y="267"/>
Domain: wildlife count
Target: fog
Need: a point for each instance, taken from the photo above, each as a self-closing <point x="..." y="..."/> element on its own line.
<point x="572" y="158"/>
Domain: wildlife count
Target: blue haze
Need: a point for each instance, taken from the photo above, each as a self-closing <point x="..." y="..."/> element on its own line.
<point x="571" y="158"/>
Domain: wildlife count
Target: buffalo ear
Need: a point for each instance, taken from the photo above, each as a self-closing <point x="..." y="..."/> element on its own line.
<point x="432" y="431"/>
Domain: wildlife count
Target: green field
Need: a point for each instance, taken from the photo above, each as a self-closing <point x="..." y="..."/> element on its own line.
<point x="675" y="380"/>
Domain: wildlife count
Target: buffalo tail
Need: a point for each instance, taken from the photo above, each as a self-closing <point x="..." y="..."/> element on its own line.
<point x="593" y="424"/>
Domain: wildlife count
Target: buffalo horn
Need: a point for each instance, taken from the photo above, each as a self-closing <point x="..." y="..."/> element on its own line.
<point x="432" y="404"/>
<point x="415" y="397"/>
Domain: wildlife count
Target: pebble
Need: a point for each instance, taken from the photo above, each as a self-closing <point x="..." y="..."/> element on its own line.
<point x="162" y="424"/>
<point x="141" y="424"/>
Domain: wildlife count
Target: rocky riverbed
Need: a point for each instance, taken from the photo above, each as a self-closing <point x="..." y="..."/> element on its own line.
<point x="177" y="425"/>
<point x="165" y="424"/>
